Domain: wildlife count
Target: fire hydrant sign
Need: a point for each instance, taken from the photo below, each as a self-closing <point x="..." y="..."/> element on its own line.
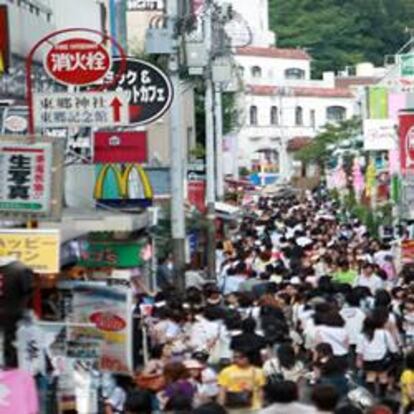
<point x="25" y="177"/>
<point x="83" y="109"/>
<point x="37" y="249"/>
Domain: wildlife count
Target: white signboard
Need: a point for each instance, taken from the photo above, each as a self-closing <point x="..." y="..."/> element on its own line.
<point x="25" y="177"/>
<point x="145" y="5"/>
<point x="93" y="109"/>
<point x="380" y="135"/>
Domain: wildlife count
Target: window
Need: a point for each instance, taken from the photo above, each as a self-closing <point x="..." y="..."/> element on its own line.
<point x="299" y="116"/>
<point x="335" y="113"/>
<point x="274" y="115"/>
<point x="313" y="118"/>
<point x="294" y="73"/>
<point x="253" y="115"/>
<point x="256" y="72"/>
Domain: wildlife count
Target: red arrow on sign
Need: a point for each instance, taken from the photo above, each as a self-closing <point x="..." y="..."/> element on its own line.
<point x="116" y="105"/>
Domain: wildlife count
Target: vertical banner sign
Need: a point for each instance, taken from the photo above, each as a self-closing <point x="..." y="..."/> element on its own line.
<point x="109" y="309"/>
<point x="4" y="40"/>
<point x="25" y="177"/>
<point x="407" y="142"/>
<point x="378" y="102"/>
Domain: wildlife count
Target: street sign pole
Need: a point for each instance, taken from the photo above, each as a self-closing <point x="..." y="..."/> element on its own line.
<point x="177" y="167"/>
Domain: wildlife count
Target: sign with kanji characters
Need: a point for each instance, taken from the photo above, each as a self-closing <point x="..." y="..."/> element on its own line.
<point x="83" y="109"/>
<point x="25" y="177"/>
<point x="37" y="249"/>
<point x="148" y="88"/>
<point x="77" y="61"/>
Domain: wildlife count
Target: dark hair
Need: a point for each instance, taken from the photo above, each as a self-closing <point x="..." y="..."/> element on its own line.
<point x="352" y="298"/>
<point x="210" y="408"/>
<point x="333" y="319"/>
<point x="409" y="360"/>
<point x="248" y="325"/>
<point x="286" y="356"/>
<point x="369" y="327"/>
<point x="175" y="371"/>
<point x="382" y="298"/>
<point x="139" y="402"/>
<point x="348" y="409"/>
<point x="325" y="397"/>
<point x="282" y="392"/>
<point x="324" y="349"/>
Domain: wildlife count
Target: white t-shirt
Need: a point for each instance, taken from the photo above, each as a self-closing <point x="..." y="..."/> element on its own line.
<point x="376" y="350"/>
<point x="337" y="337"/>
<point x="373" y="283"/>
<point x="354" y="319"/>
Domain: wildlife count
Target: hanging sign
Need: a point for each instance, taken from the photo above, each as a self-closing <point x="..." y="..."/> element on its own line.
<point x="88" y="109"/>
<point x="77" y="61"/>
<point x="4" y="40"/>
<point x="407" y="65"/>
<point x="145" y="5"/>
<point x="407" y="141"/>
<point x="148" y="88"/>
<point x="25" y="177"/>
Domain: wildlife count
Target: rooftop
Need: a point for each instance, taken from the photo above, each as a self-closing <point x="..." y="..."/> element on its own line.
<point x="274" y="52"/>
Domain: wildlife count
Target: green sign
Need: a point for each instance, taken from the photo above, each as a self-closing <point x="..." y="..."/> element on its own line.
<point x="407" y="65"/>
<point x="95" y="254"/>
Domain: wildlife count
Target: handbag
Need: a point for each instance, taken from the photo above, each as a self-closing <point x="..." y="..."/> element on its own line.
<point x="150" y="382"/>
<point x="241" y="399"/>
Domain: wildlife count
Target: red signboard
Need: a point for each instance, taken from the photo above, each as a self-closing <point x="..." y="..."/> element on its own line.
<point x="407" y="141"/>
<point x="197" y="194"/>
<point x="78" y="61"/>
<point x="109" y="322"/>
<point x="120" y="147"/>
<point x="407" y="247"/>
<point x="4" y="40"/>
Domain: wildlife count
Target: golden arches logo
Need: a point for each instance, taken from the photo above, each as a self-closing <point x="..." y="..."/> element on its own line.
<point x="122" y="180"/>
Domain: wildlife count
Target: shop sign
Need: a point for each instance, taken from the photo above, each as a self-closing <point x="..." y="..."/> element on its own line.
<point x="96" y="254"/>
<point x="122" y="185"/>
<point x="145" y="5"/>
<point x="77" y="61"/>
<point x="37" y="249"/>
<point x="148" y="88"/>
<point x="80" y="109"/>
<point x="4" y="40"/>
<point x="407" y="65"/>
<point x="407" y="141"/>
<point x="25" y="177"/>
<point x="197" y="194"/>
<point x="108" y="307"/>
<point x="380" y="135"/>
<point x="120" y="146"/>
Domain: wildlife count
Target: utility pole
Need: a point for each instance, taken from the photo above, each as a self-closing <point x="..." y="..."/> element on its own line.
<point x="219" y="142"/>
<point x="176" y="148"/>
<point x="210" y="148"/>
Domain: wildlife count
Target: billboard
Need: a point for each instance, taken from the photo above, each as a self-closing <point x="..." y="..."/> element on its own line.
<point x="4" y="40"/>
<point x="407" y="141"/>
<point x="380" y="135"/>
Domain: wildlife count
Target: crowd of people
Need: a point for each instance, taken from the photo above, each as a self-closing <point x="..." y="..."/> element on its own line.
<point x="310" y="314"/>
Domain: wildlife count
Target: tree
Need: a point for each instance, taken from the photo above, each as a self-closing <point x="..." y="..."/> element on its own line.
<point x="338" y="33"/>
<point x="317" y="151"/>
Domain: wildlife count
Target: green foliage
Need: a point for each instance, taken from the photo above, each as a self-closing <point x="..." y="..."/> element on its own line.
<point x="338" y="33"/>
<point x="317" y="151"/>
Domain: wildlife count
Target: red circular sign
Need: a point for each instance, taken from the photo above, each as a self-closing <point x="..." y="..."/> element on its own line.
<point x="106" y="321"/>
<point x="77" y="61"/>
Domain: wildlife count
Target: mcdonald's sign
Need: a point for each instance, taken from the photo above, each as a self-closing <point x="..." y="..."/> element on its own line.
<point x="123" y="185"/>
<point x="4" y="40"/>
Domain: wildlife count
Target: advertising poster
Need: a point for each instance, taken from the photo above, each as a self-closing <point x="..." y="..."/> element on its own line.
<point x="110" y="310"/>
<point x="407" y="142"/>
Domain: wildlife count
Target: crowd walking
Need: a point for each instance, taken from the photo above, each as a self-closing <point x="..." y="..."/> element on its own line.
<point x="310" y="314"/>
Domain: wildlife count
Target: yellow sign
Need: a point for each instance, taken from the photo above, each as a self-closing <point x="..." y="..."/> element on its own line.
<point x="38" y="249"/>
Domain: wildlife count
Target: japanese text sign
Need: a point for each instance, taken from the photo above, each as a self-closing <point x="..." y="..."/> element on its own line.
<point x="149" y="90"/>
<point x="25" y="177"/>
<point x="77" y="62"/>
<point x="37" y="249"/>
<point x="145" y="5"/>
<point x="380" y="135"/>
<point x="80" y="109"/>
<point x="407" y="65"/>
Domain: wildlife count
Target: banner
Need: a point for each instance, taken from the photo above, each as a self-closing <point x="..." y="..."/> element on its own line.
<point x="378" y="102"/>
<point x="380" y="134"/>
<point x="4" y="40"/>
<point x="109" y="308"/>
<point x="37" y="249"/>
<point x="407" y="142"/>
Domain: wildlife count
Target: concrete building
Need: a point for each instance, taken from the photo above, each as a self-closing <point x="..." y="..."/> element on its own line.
<point x="282" y="108"/>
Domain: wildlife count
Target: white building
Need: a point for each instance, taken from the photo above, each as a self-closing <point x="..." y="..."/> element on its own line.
<point x="282" y="107"/>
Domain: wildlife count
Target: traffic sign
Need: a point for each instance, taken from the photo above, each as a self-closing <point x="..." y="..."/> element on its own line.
<point x="148" y="88"/>
<point x="77" y="61"/>
<point x="92" y="109"/>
